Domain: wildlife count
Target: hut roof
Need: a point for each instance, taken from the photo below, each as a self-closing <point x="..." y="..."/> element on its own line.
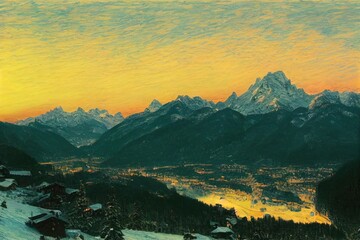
<point x="71" y="190"/>
<point x="96" y="206"/>
<point x="7" y="182"/>
<point x="20" y="173"/>
<point x="222" y="230"/>
<point x="44" y="217"/>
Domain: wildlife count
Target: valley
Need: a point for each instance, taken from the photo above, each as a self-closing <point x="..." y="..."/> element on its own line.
<point x="253" y="191"/>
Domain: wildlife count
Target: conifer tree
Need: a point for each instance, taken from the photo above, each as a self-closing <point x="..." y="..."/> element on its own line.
<point x="3" y="204"/>
<point x="136" y="217"/>
<point x="113" y="220"/>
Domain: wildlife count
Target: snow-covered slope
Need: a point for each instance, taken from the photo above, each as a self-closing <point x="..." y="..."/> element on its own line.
<point x="271" y="93"/>
<point x="137" y="235"/>
<point x="13" y="218"/>
<point x="78" y="127"/>
<point x="350" y="99"/>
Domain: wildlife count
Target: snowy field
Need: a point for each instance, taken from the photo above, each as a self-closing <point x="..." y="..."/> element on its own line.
<point x="136" y="235"/>
<point x="13" y="218"/>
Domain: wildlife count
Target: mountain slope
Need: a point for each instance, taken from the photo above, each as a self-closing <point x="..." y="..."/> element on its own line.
<point x="299" y="137"/>
<point x="39" y="144"/>
<point x="14" y="158"/>
<point x="339" y="197"/>
<point x="138" y="125"/>
<point x="78" y="127"/>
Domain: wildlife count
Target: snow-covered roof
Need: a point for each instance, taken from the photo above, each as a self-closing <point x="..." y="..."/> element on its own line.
<point x="96" y="206"/>
<point x="46" y="184"/>
<point x="12" y="220"/>
<point x="42" y="185"/>
<point x="71" y="190"/>
<point x="232" y="220"/>
<point x="222" y="230"/>
<point x="73" y="233"/>
<point x="20" y="173"/>
<point x="2" y="167"/>
<point x="7" y="183"/>
<point x="42" y="198"/>
<point x="45" y="216"/>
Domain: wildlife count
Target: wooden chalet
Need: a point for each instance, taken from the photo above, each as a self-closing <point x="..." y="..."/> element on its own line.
<point x="4" y="172"/>
<point x="48" y="201"/>
<point x="22" y="177"/>
<point x="48" y="224"/>
<point x="7" y="184"/>
<point x="222" y="233"/>
<point x="55" y="189"/>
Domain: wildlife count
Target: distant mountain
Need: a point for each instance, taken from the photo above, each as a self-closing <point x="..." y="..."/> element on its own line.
<point x="78" y="127"/>
<point x="272" y="93"/>
<point x="195" y="103"/>
<point x="12" y="157"/>
<point x="39" y="144"/>
<point x="154" y="106"/>
<point x="302" y="136"/>
<point x="349" y="99"/>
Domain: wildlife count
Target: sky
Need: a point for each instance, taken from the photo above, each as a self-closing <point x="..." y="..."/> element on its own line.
<point x="120" y="55"/>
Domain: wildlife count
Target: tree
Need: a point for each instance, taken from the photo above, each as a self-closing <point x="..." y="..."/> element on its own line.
<point x="136" y="217"/>
<point x="114" y="235"/>
<point x="77" y="217"/>
<point x="81" y="201"/>
<point x="113" y="223"/>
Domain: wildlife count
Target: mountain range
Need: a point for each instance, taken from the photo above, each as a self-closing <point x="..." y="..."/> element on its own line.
<point x="272" y="122"/>
<point x="79" y="127"/>
<point x="323" y="134"/>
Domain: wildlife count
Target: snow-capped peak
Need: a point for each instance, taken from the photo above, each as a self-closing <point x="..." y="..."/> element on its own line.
<point x="349" y="99"/>
<point x="194" y="103"/>
<point x="79" y="110"/>
<point x="79" y="127"/>
<point x="154" y="106"/>
<point x="278" y="77"/>
<point x="272" y="92"/>
<point x="57" y="109"/>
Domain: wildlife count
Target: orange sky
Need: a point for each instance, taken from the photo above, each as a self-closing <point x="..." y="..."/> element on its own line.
<point x="119" y="55"/>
